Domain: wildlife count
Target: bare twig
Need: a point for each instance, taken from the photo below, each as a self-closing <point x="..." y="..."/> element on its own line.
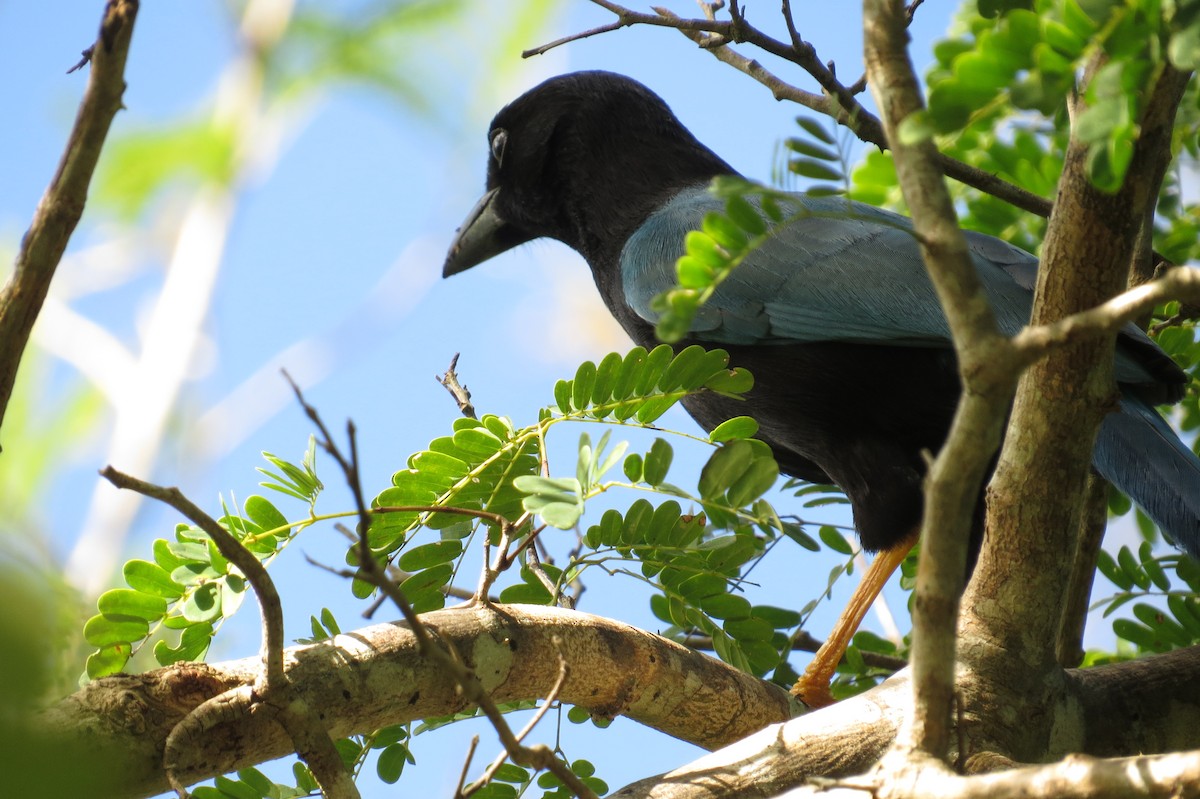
<point x="461" y="395"/>
<point x="62" y="205"/>
<point x="233" y="551"/>
<point x="85" y="57"/>
<point x="316" y="747"/>
<point x="462" y="777"/>
<point x="551" y="699"/>
<point x="839" y="100"/>
<point x="1179" y="283"/>
<point x="545" y="48"/>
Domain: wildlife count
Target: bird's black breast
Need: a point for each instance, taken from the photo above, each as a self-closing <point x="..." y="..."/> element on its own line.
<point x="856" y="415"/>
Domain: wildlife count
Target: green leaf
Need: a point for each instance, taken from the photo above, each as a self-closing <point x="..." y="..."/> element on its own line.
<point x="811" y="150"/>
<point x="1138" y="634"/>
<point x="726" y="606"/>
<point x="235" y="788"/>
<point x="725" y="466"/>
<point x="835" y="540"/>
<point x="125" y="602"/>
<point x="700" y="246"/>
<point x="257" y="780"/>
<point x="702" y="586"/>
<point x="427" y="580"/>
<point x="532" y="593"/>
<point x="626" y="377"/>
<point x="391" y="763"/>
<point x="562" y="396"/>
<point x="737" y="427"/>
<point x="203" y="604"/>
<point x="558" y="500"/>
<point x="585" y="381"/>
<point x="1109" y="568"/>
<point x="509" y="772"/>
<point x="745" y="216"/>
<point x="778" y="618"/>
<point x="916" y="128"/>
<point x="428" y="555"/>
<point x="817" y="170"/>
<point x="749" y="629"/>
<point x="265" y="515"/>
<point x="1132" y="569"/>
<point x="633" y="468"/>
<point x="732" y="382"/>
<point x="606" y="376"/>
<point x="658" y="462"/>
<point x="815" y="129"/>
<point x="108" y="660"/>
<point x="797" y="534"/>
<point x="150" y="578"/>
<point x="102" y="631"/>
<point x="754" y="482"/>
<point x="723" y="231"/>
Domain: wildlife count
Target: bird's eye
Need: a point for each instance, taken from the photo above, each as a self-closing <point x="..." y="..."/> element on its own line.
<point x="499" y="138"/>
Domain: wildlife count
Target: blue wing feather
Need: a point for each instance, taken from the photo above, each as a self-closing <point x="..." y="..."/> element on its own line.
<point x="844" y="271"/>
<point x="839" y="271"/>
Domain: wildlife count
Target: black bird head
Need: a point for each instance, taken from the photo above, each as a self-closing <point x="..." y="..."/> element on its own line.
<point x="582" y="158"/>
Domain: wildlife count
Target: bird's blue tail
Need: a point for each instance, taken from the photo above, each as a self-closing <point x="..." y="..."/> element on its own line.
<point x="1139" y="453"/>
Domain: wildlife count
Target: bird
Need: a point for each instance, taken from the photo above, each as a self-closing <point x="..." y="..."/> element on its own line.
<point x="855" y="376"/>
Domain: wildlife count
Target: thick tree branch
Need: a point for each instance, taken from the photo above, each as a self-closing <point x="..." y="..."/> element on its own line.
<point x="1148" y="706"/>
<point x="1036" y="494"/>
<point x="377" y="676"/>
<point x="62" y="205"/>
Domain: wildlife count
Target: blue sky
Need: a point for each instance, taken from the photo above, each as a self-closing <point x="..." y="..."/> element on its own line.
<point x="337" y="244"/>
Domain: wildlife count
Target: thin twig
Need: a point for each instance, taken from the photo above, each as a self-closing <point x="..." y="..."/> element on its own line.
<point x="575" y="37"/>
<point x="1180" y="283"/>
<point x="461" y="395"/>
<point x="85" y="57"/>
<point x="551" y="698"/>
<point x="233" y="551"/>
<point x="840" y="101"/>
<point x="462" y="777"/>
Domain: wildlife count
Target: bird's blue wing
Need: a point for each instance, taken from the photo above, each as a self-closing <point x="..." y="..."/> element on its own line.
<point x="834" y="270"/>
<point x="837" y="270"/>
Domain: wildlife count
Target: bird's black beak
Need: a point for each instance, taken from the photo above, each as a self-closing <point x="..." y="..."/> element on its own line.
<point x="482" y="235"/>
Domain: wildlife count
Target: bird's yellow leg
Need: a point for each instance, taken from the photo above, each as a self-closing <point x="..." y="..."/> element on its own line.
<point x="813" y="686"/>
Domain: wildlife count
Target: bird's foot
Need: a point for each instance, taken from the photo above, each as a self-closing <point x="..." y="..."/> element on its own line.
<point x="813" y="692"/>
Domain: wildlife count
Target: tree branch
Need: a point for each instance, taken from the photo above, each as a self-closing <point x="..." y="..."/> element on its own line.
<point x="378" y="676"/>
<point x="988" y="372"/>
<point x="233" y="551"/>
<point x="1036" y="494"/>
<point x="1107" y="711"/>
<point x="62" y="205"/>
<point x="270" y="689"/>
